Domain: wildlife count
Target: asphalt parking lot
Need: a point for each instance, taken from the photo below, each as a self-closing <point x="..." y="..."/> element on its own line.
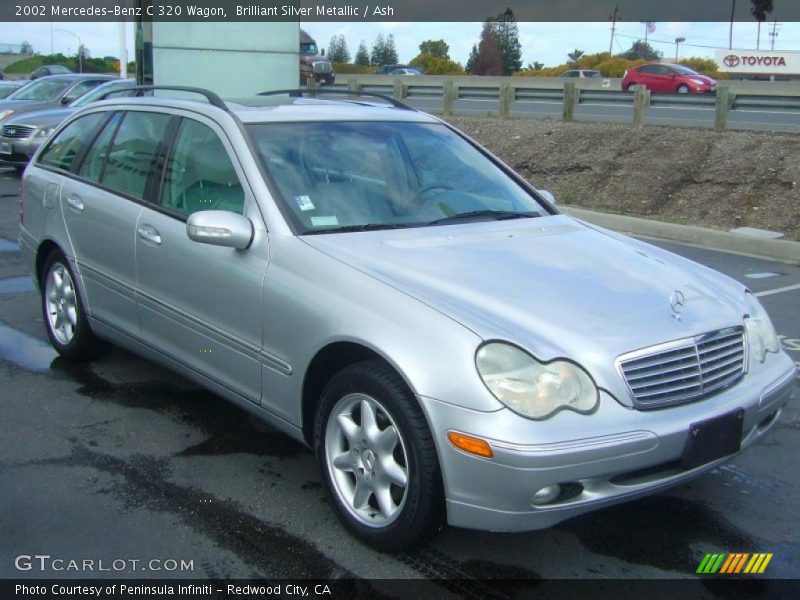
<point x="121" y="459"/>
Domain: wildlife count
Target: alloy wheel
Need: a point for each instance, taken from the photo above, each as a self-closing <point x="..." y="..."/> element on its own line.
<point x="62" y="303"/>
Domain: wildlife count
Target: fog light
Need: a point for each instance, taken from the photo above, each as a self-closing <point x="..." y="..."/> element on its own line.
<point x="546" y="495"/>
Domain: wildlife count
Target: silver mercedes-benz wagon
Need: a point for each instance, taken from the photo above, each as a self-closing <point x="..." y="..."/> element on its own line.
<point x="372" y="282"/>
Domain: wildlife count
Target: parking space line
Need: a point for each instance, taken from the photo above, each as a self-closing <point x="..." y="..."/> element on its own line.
<point x="788" y="288"/>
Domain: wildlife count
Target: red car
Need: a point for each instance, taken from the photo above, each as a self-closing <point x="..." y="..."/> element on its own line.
<point x="659" y="77"/>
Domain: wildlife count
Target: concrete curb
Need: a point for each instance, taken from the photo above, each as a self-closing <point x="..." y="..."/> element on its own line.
<point x="711" y="238"/>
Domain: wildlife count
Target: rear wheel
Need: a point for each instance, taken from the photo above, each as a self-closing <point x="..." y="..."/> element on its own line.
<point x="683" y="89"/>
<point x="632" y="87"/>
<point x="377" y="458"/>
<point x="63" y="311"/>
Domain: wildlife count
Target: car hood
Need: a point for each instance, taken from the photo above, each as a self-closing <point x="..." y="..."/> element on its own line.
<point x="553" y="285"/>
<point x="40" y="118"/>
<point x="312" y="58"/>
<point x="702" y="78"/>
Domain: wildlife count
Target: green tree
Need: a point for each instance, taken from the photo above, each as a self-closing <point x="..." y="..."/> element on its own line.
<point x="378" y="51"/>
<point x="535" y="66"/>
<point x="473" y="58"/>
<point x="437" y="48"/>
<point x="575" y="56"/>
<point x="435" y="65"/>
<point x="362" y="55"/>
<point x="337" y="49"/>
<point x="390" y="53"/>
<point x="506" y="32"/>
<point x="26" y="49"/>
<point x="641" y="51"/>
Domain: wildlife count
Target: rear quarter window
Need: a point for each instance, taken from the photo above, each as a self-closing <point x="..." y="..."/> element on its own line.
<point x="71" y="142"/>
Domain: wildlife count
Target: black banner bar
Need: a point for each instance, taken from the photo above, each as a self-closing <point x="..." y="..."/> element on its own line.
<point x="388" y="10"/>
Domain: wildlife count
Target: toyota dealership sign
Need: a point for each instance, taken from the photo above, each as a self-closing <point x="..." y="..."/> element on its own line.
<point x="760" y="63"/>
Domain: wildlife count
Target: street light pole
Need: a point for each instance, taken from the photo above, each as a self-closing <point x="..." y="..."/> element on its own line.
<point x="80" y="48"/>
<point x="678" y="41"/>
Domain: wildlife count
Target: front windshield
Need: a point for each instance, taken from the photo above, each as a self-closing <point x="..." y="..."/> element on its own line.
<point x="308" y="48"/>
<point x="93" y="95"/>
<point x="381" y="175"/>
<point x="42" y="90"/>
<point x="684" y="70"/>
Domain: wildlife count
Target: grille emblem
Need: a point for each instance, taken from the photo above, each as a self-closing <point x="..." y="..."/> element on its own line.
<point x="678" y="302"/>
<point x="11" y="131"/>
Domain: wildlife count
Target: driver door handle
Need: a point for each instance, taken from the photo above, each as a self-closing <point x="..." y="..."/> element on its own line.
<point x="149" y="233"/>
<point x="75" y="203"/>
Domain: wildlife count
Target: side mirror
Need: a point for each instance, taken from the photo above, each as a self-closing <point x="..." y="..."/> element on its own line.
<point x="68" y="99"/>
<point x="547" y="196"/>
<point x="220" y="228"/>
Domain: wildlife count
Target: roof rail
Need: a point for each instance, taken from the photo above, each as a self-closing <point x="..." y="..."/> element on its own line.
<point x="212" y="98"/>
<point x="314" y="92"/>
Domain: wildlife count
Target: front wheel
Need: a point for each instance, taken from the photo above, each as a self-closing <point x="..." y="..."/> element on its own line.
<point x="377" y="458"/>
<point x="64" y="315"/>
<point x="683" y="89"/>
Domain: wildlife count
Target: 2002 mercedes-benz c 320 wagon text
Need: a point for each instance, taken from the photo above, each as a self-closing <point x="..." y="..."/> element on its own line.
<point x="377" y="285"/>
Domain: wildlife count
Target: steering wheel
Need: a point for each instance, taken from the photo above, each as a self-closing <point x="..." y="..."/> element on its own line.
<point x="436" y="185"/>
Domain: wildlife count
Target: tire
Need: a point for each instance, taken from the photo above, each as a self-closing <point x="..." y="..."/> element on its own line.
<point x="683" y="89"/>
<point x="365" y="484"/>
<point x="632" y="87"/>
<point x="64" y="313"/>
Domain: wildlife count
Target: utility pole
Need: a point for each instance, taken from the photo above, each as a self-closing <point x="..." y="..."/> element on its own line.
<point x="614" y="18"/>
<point x="730" y="32"/>
<point x="773" y="34"/>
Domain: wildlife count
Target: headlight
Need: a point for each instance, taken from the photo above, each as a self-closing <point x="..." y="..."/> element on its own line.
<point x="761" y="334"/>
<point x="44" y="132"/>
<point x="698" y="81"/>
<point x="6" y="113"/>
<point x="533" y="389"/>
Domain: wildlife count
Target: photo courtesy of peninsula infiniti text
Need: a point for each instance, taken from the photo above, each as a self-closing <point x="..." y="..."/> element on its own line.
<point x="372" y="282"/>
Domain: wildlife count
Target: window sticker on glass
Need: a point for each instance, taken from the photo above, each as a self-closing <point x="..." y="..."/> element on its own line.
<point x="304" y="203"/>
<point x="324" y="221"/>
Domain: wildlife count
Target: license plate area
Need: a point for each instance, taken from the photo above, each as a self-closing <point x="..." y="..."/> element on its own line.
<point x="5" y="147"/>
<point x="713" y="439"/>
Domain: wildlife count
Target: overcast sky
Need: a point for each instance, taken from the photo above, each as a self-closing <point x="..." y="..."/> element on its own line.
<point x="545" y="42"/>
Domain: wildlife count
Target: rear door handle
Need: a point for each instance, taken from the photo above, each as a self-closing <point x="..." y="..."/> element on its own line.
<point x="75" y="203"/>
<point x="149" y="233"/>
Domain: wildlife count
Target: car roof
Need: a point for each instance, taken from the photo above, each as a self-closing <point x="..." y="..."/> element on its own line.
<point x="70" y="76"/>
<point x="282" y="109"/>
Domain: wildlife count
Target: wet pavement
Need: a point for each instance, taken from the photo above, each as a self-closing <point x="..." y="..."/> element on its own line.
<point x="122" y="459"/>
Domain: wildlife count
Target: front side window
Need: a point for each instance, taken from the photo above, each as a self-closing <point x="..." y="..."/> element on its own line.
<point x="71" y="141"/>
<point x="44" y="90"/>
<point x="348" y="175"/>
<point x="83" y="87"/>
<point x="199" y="174"/>
<point x="133" y="152"/>
<point x="308" y="48"/>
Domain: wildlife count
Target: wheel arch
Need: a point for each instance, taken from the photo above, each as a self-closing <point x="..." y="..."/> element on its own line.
<point x="328" y="361"/>
<point x="47" y="247"/>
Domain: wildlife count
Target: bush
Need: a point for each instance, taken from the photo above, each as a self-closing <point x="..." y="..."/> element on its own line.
<point x="90" y="65"/>
<point x="434" y="65"/>
<point x="349" y="68"/>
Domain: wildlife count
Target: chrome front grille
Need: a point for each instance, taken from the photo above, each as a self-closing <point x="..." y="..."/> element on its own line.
<point x="322" y="66"/>
<point x="685" y="370"/>
<point x="18" y="132"/>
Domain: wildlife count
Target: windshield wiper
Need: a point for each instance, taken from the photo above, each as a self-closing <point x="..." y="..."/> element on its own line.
<point x="497" y="215"/>
<point x="362" y="227"/>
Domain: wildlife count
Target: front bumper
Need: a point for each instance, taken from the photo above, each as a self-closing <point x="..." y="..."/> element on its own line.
<point x="623" y="453"/>
<point x="21" y="150"/>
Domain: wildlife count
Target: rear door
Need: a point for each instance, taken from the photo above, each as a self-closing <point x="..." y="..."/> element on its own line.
<point x="100" y="223"/>
<point x="201" y="304"/>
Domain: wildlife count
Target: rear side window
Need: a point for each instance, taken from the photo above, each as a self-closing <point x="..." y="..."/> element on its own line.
<point x="92" y="165"/>
<point x="71" y="142"/>
<point x="132" y="155"/>
<point x="199" y="173"/>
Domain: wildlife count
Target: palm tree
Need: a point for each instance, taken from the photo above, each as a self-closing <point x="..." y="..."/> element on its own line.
<point x="575" y="56"/>
<point x="760" y="10"/>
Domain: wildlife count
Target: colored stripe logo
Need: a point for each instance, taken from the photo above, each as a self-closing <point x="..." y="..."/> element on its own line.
<point x="734" y="563"/>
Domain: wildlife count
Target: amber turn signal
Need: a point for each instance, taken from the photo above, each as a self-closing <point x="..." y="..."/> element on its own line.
<point x="470" y="444"/>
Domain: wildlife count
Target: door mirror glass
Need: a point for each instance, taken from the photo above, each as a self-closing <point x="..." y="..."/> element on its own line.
<point x="68" y="99"/>
<point x="547" y="196"/>
<point x="220" y="228"/>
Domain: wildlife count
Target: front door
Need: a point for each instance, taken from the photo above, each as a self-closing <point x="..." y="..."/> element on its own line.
<point x="201" y="304"/>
